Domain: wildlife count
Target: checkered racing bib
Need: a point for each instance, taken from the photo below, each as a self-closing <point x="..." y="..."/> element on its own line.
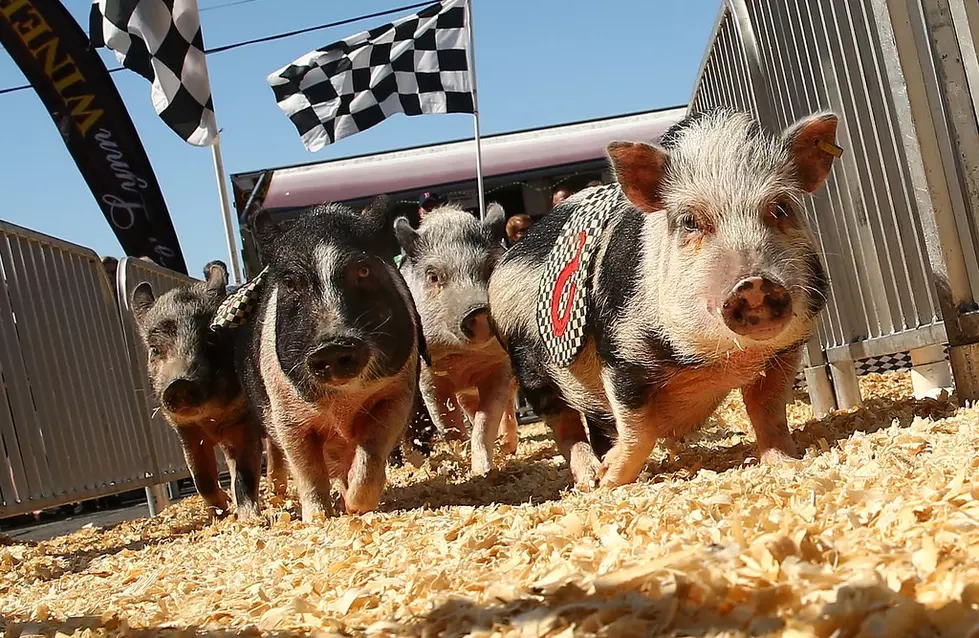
<point x="562" y="298"/>
<point x="235" y="310"/>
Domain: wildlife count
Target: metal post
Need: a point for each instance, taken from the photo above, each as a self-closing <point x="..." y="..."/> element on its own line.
<point x="822" y="398"/>
<point x="930" y="373"/>
<point x="472" y="82"/>
<point x="229" y="232"/>
<point x="157" y="498"/>
<point x="846" y="384"/>
<point x="935" y="129"/>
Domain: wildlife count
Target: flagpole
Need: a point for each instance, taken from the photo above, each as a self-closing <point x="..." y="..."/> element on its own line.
<point x="229" y="233"/>
<point x="472" y="82"/>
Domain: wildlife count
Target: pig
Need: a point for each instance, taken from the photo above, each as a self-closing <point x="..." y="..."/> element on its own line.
<point x="706" y="279"/>
<point x="330" y="357"/>
<point x="448" y="262"/>
<point x="193" y="376"/>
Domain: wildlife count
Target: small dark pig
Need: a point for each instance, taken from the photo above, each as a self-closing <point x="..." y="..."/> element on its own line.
<point x="706" y="279"/>
<point x="330" y="356"/>
<point x="193" y="375"/>
<point x="448" y="262"/>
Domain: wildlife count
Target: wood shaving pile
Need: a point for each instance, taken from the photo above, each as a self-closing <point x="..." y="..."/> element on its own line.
<point x="874" y="533"/>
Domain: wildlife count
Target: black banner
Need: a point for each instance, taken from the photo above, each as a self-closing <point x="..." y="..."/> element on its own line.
<point x="53" y="52"/>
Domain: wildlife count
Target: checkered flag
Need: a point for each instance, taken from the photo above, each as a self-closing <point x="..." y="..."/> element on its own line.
<point x="235" y="310"/>
<point x="416" y="65"/>
<point x="161" y="40"/>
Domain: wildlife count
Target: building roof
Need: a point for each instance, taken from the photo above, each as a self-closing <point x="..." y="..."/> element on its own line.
<point x="453" y="162"/>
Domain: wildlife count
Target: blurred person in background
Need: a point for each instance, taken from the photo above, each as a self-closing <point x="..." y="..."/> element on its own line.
<point x="561" y="193"/>
<point x="516" y="227"/>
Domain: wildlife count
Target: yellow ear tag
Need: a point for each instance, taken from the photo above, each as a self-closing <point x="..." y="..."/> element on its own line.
<point x="832" y="149"/>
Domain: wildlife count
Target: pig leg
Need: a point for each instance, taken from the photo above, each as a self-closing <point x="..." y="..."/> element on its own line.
<point x="277" y="473"/>
<point x="635" y="426"/>
<point x="438" y="392"/>
<point x="366" y="477"/>
<point x="493" y="396"/>
<point x="565" y="422"/>
<point x="572" y="441"/>
<point x="601" y="427"/>
<point x="243" y="452"/>
<point x="305" y="456"/>
<point x="765" y="403"/>
<point x="199" y="454"/>
<point x="509" y="429"/>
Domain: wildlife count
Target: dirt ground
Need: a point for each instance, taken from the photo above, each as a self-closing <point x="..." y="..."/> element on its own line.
<point x="874" y="533"/>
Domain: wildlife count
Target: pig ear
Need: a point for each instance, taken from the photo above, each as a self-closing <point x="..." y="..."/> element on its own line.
<point x="379" y="207"/>
<point x="217" y="277"/>
<point x="407" y="236"/>
<point x="142" y="300"/>
<point x="379" y="214"/>
<point x="495" y="221"/>
<point x="639" y="170"/>
<point x="266" y="230"/>
<point x="812" y="145"/>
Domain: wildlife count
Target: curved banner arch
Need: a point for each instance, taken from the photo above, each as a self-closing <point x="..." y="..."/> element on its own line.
<point x="54" y="53"/>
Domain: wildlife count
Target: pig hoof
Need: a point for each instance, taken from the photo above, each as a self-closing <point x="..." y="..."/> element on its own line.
<point x="216" y="513"/>
<point x="773" y="456"/>
<point x="481" y="466"/>
<point x="248" y="513"/>
<point x="509" y="447"/>
<point x="310" y="516"/>
<point x="586" y="475"/>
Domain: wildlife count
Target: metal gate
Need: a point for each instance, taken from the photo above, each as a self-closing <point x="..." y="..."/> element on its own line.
<point x="71" y="426"/>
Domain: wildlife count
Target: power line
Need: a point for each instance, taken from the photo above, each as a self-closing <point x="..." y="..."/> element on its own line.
<point x="289" y="34"/>
<point x="225" y="5"/>
<point x="269" y="38"/>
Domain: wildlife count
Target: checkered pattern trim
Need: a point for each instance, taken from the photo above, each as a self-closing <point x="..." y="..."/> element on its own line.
<point x="562" y="298"/>
<point x="162" y="41"/>
<point x="416" y="65"/>
<point x="883" y="364"/>
<point x="235" y="310"/>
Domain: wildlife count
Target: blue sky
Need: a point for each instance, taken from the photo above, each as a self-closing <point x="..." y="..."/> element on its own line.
<point x="539" y="62"/>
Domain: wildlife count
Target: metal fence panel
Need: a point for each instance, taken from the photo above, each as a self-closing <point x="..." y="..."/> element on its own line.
<point x="70" y="424"/>
<point x="131" y="273"/>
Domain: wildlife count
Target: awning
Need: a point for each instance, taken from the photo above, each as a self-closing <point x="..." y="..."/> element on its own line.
<point x="453" y="162"/>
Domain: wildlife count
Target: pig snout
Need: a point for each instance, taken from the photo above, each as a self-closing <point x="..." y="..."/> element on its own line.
<point x="758" y="308"/>
<point x="475" y="324"/>
<point x="338" y="361"/>
<point x="182" y="395"/>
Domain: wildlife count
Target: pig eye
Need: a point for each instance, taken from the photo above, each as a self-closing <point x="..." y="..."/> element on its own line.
<point x="156" y="351"/>
<point x="689" y="223"/>
<point x="433" y="277"/>
<point x="289" y="283"/>
<point x="364" y="271"/>
<point x="779" y="210"/>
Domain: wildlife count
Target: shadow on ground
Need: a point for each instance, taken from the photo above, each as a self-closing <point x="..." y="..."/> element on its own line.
<point x="814" y="437"/>
<point x="867" y="610"/>
<point x="518" y="481"/>
<point x="526" y="480"/>
<point x="625" y="611"/>
<point x="147" y="534"/>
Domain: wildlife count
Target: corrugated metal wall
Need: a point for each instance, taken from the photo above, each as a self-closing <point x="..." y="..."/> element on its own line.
<point x="70" y="430"/>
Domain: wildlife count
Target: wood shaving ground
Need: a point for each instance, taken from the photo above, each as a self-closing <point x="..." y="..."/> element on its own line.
<point x="874" y="533"/>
